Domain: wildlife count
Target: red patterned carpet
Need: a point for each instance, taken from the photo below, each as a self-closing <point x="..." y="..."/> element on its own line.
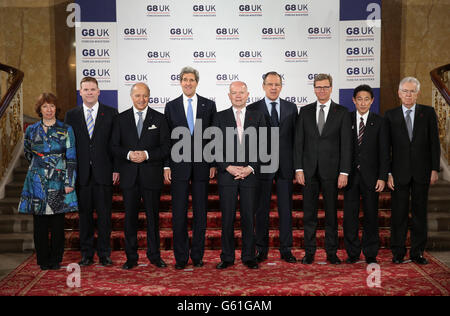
<point x="275" y="277"/>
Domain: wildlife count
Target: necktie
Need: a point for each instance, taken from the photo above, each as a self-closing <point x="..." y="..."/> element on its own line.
<point x="362" y="128"/>
<point x="190" y="116"/>
<point x="274" y="115"/>
<point x="321" y="121"/>
<point x="139" y="124"/>
<point x="239" y="125"/>
<point x="90" y="123"/>
<point x="409" y="124"/>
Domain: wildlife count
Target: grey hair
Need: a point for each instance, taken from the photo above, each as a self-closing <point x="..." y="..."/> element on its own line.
<point x="409" y="79"/>
<point x="189" y="70"/>
<point x="134" y="85"/>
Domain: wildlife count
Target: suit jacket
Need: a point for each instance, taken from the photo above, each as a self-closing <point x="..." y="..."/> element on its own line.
<point x="176" y="116"/>
<point x="417" y="158"/>
<point x="225" y="119"/>
<point x="329" y="153"/>
<point x="373" y="154"/>
<point x="288" y="117"/>
<point x="95" y="151"/>
<point x="154" y="139"/>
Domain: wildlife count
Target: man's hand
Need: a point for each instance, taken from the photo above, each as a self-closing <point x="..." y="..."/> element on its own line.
<point x="212" y="172"/>
<point x="434" y="177"/>
<point x="167" y="176"/>
<point x="391" y="182"/>
<point x="380" y="186"/>
<point x="244" y="173"/>
<point x="68" y="189"/>
<point x="138" y="156"/>
<point x="116" y="178"/>
<point x="300" y="177"/>
<point x="342" y="181"/>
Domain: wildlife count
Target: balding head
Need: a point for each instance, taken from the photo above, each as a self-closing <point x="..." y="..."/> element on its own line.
<point x="238" y="94"/>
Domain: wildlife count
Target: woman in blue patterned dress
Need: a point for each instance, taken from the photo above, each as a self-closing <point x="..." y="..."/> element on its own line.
<point x="48" y="192"/>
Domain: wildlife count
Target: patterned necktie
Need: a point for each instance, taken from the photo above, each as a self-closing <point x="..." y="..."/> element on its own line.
<point x="274" y="115"/>
<point x="409" y="124"/>
<point x="139" y="124"/>
<point x="190" y="116"/>
<point x="90" y="123"/>
<point x="321" y="122"/>
<point x="362" y="128"/>
<point x="239" y="125"/>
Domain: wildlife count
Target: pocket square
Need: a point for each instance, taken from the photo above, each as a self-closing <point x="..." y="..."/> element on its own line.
<point x="152" y="127"/>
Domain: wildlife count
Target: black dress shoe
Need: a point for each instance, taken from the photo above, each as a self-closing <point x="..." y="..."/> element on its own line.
<point x="86" y="262"/>
<point x="224" y="265"/>
<point x="370" y="260"/>
<point x="260" y="257"/>
<point x="289" y="258"/>
<point x="197" y="264"/>
<point x="352" y="260"/>
<point x="180" y="266"/>
<point x="44" y="267"/>
<point x="129" y="265"/>
<point x="333" y="259"/>
<point x="54" y="266"/>
<point x="159" y="263"/>
<point x="308" y="259"/>
<point x="251" y="264"/>
<point x="106" y="261"/>
<point x="397" y="259"/>
<point x="419" y="260"/>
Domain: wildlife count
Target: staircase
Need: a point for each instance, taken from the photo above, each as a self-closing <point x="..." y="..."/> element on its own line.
<point x="16" y="230"/>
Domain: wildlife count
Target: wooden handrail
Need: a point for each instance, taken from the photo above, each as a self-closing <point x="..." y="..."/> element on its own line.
<point x="15" y="85"/>
<point x="436" y="77"/>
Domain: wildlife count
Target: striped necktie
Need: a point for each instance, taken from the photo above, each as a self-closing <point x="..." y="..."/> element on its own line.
<point x="90" y="123"/>
<point x="362" y="129"/>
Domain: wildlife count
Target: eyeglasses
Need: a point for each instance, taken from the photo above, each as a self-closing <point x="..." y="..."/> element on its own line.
<point x="322" y="88"/>
<point x="405" y="91"/>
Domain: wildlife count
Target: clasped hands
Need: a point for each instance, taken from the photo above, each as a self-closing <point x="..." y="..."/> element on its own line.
<point x="138" y="156"/>
<point x="239" y="172"/>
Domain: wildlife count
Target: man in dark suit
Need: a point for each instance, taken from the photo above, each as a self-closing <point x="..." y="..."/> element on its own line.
<point x="195" y="113"/>
<point x="141" y="143"/>
<point x="322" y="159"/>
<point x="92" y="124"/>
<point x="238" y="174"/>
<point x="415" y="150"/>
<point x="280" y="114"/>
<point x="367" y="178"/>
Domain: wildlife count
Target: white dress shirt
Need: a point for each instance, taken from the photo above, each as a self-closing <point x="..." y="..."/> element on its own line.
<point x="242" y="117"/>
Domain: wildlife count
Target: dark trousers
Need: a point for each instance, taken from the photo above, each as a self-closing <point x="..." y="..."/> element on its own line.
<point x="180" y="199"/>
<point x="99" y="197"/>
<point x="418" y="193"/>
<point x="49" y="252"/>
<point x="262" y="220"/>
<point x="132" y="198"/>
<point x="370" y="237"/>
<point x="310" y="209"/>
<point x="228" y="203"/>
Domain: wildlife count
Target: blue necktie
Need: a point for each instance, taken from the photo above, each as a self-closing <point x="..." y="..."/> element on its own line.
<point x="90" y="123"/>
<point x="190" y="116"/>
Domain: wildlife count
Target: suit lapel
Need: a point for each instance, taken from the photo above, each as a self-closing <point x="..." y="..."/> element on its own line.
<point x="179" y="109"/>
<point x="330" y="118"/>
<point x="82" y="120"/>
<point x="201" y="108"/>
<point x="98" y="120"/>
<point x="401" y="118"/>
<point x="283" y="112"/>
<point x="418" y="120"/>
